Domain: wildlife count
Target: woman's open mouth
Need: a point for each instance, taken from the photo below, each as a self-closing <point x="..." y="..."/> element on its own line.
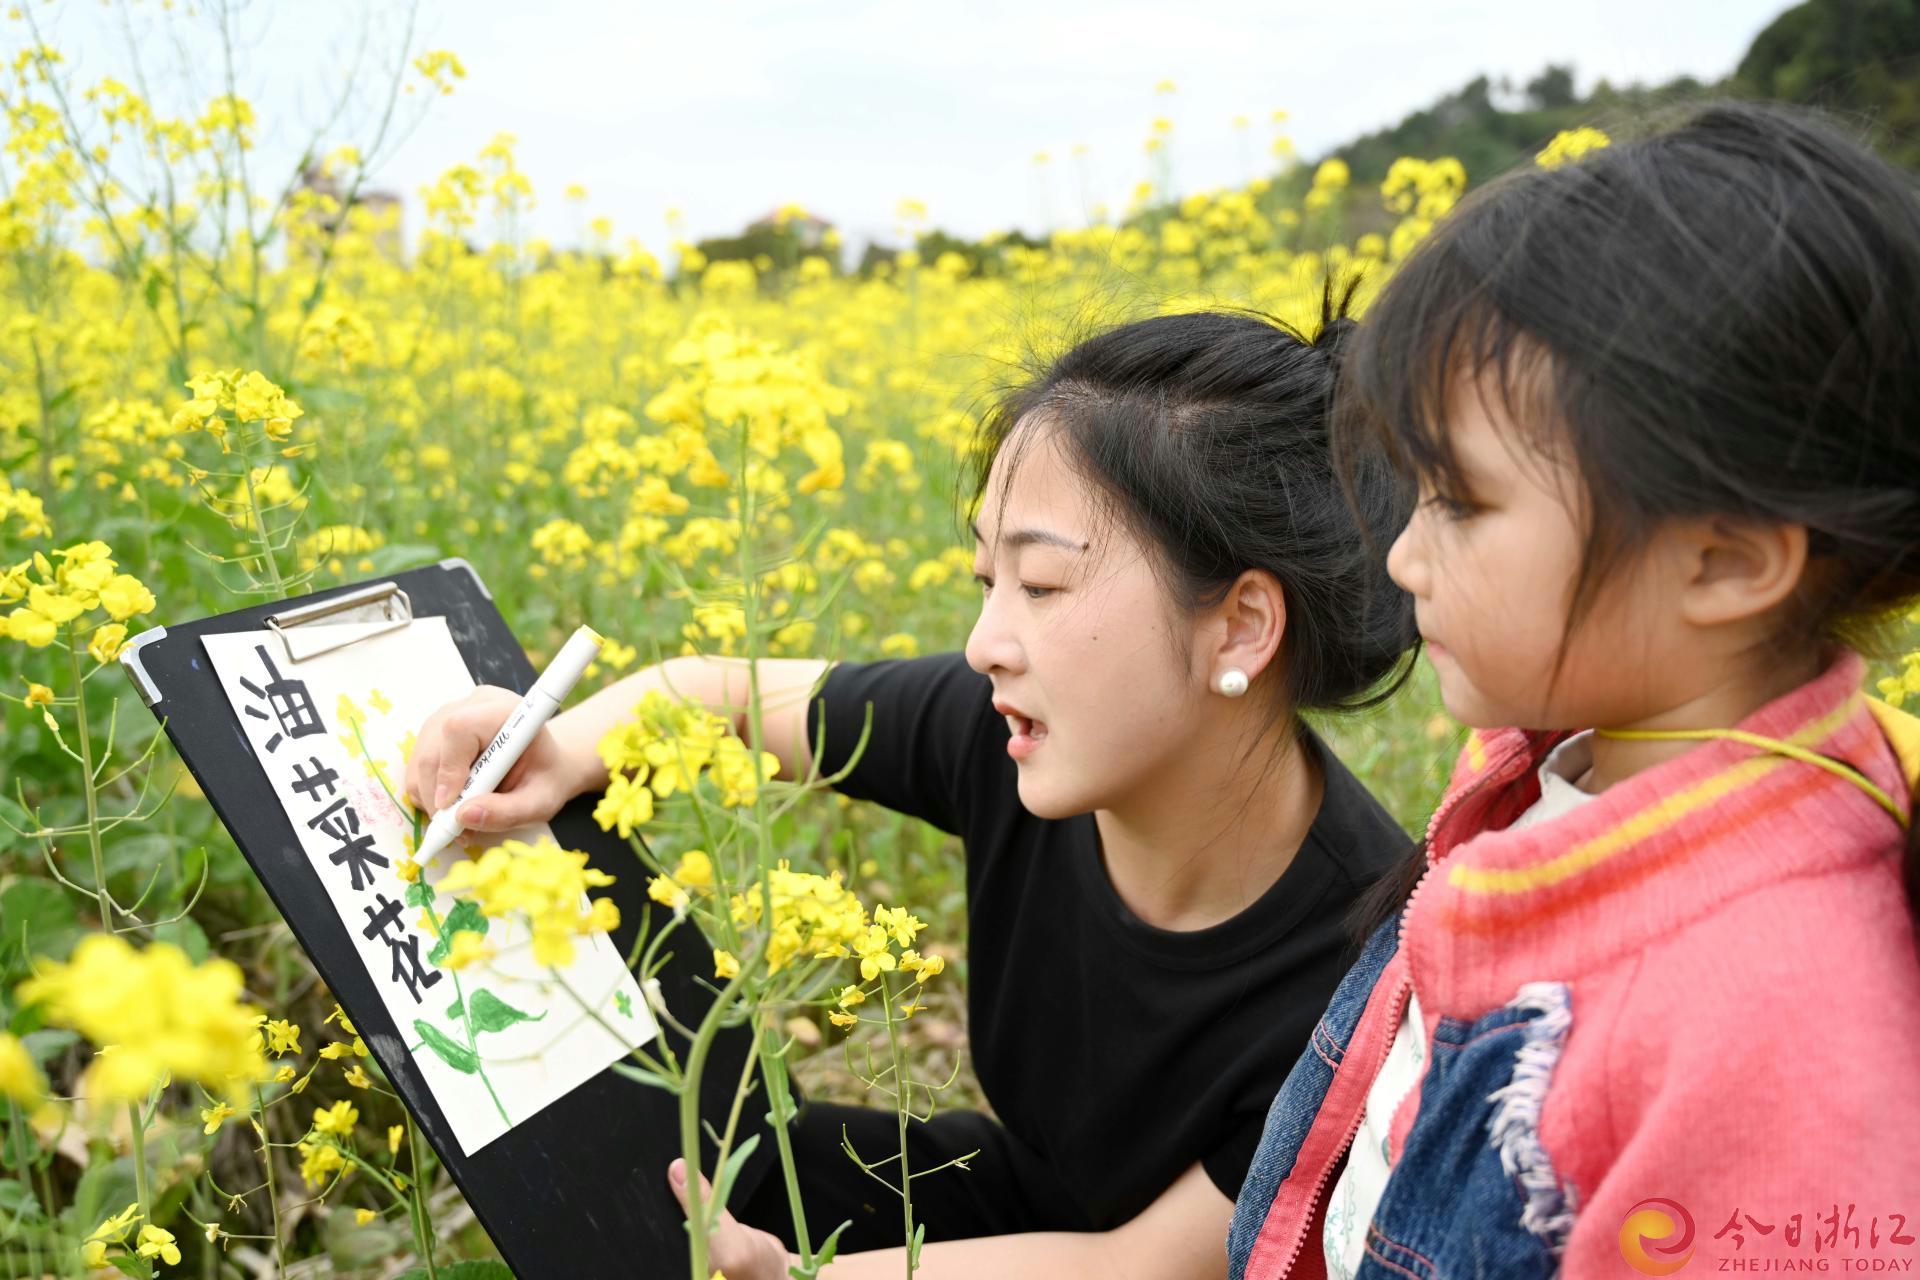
<point x="1027" y="736"/>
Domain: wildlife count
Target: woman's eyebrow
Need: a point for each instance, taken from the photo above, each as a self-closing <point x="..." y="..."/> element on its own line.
<point x="1017" y="538"/>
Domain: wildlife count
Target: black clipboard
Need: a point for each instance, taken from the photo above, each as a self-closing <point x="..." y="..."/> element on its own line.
<point x="579" y="1189"/>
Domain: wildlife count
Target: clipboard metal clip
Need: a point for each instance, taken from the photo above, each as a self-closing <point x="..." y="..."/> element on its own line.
<point x="351" y="617"/>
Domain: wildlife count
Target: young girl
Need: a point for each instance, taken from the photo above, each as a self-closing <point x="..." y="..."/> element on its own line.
<point x="1655" y="991"/>
<point x="1161" y="857"/>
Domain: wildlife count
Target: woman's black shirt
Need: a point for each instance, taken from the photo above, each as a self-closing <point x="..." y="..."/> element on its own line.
<point x="1120" y="1052"/>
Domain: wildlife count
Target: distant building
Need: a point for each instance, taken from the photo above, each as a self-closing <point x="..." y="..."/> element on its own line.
<point x="809" y="232"/>
<point x="382" y="207"/>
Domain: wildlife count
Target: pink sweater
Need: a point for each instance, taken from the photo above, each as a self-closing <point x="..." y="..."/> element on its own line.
<point x="1744" y="980"/>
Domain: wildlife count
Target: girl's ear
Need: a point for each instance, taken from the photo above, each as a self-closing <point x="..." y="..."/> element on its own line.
<point x="1734" y="570"/>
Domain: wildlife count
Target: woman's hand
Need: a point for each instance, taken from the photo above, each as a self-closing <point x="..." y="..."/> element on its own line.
<point x="540" y="783"/>
<point x="735" y="1249"/>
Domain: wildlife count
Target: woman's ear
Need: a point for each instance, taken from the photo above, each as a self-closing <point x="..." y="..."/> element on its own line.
<point x="1734" y="570"/>
<point x="1253" y="618"/>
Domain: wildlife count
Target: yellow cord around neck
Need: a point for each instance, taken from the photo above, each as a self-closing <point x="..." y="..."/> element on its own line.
<point x="1778" y="747"/>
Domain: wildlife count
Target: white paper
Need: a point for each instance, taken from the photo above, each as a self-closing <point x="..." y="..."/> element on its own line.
<point x="351" y="828"/>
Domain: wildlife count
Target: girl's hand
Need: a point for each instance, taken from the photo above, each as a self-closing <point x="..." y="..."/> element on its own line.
<point x="740" y="1251"/>
<point x="538" y="786"/>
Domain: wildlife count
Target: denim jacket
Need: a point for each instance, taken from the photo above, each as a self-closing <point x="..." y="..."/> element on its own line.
<point x="1449" y="1176"/>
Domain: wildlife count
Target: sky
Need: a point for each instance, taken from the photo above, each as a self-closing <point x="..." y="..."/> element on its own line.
<point x="726" y="111"/>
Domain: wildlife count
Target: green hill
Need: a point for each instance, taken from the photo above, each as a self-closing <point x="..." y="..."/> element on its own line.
<point x="1859" y="57"/>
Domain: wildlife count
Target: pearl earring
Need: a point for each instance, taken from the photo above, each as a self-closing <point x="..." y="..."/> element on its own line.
<point x="1233" y="682"/>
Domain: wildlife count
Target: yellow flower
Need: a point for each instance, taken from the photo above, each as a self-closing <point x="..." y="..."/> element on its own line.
<point x="283" y="1037"/>
<point x="20" y="1078"/>
<point x="317" y="1160"/>
<point x="840" y="1019"/>
<point x="875" y="957"/>
<point x="1571" y="144"/>
<point x="153" y="1013"/>
<point x="357" y="1077"/>
<point x="32" y="628"/>
<point x="38" y="695"/>
<point x="627" y="804"/>
<point x="395" y="1133"/>
<point x="156" y="1242"/>
<point x="124" y="596"/>
<point x="215" y="1116"/>
<point x="337" y="1119"/>
<point x="540" y="881"/>
<point x="813" y="916"/>
<point x="106" y="641"/>
<point x="725" y="967"/>
<point x="112" y="1230"/>
<point x="694" y="870"/>
<point x="734" y="771"/>
<point x="897" y="922"/>
<point x="364" y="1216"/>
<point x="667" y="893"/>
<point x="467" y="947"/>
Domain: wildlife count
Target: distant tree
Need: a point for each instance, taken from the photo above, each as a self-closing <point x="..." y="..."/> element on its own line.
<point x="1861" y="57"/>
<point x="1552" y="89"/>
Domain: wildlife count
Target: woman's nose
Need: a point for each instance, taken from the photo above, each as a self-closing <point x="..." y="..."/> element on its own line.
<point x="991" y="644"/>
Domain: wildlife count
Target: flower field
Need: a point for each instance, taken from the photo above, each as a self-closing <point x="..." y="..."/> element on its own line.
<point x="221" y="385"/>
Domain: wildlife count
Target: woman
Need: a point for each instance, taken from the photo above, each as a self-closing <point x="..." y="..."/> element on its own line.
<point x="1161" y="856"/>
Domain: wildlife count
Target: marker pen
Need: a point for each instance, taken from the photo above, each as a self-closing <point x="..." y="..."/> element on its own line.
<point x="548" y="692"/>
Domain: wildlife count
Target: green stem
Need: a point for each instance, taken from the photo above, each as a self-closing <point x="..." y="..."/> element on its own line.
<point x="901" y="1097"/>
<point x="423" y="1214"/>
<point x="690" y="1121"/>
<point x="273" y="1190"/>
<point x="17" y="1122"/>
<point x="773" y="1068"/>
<point x="140" y="1186"/>
<point x="104" y="898"/>
<point x="260" y="525"/>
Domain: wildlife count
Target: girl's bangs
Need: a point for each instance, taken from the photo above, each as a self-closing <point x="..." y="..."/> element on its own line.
<point x="1438" y="320"/>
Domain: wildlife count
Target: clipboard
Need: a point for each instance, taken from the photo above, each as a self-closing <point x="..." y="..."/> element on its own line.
<point x="579" y="1188"/>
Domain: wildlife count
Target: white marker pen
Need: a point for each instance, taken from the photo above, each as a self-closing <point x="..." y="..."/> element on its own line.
<point x="548" y="692"/>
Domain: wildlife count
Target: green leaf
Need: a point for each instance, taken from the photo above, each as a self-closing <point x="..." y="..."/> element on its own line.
<point x="36" y="919"/>
<point x="723" y="1185"/>
<point x="402" y="556"/>
<point x="472" y="1269"/>
<point x="105" y="1188"/>
<point x="15" y="817"/>
<point x="491" y="1013"/>
<point x="43" y="1046"/>
<point x="419" y="894"/>
<point x="19" y="1205"/>
<point x="623" y="1003"/>
<point x="643" y="1075"/>
<point x="133" y="1264"/>
<point x="457" y="1056"/>
<point x="456" y="1010"/>
<point x="464" y="918"/>
<point x="186" y="935"/>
